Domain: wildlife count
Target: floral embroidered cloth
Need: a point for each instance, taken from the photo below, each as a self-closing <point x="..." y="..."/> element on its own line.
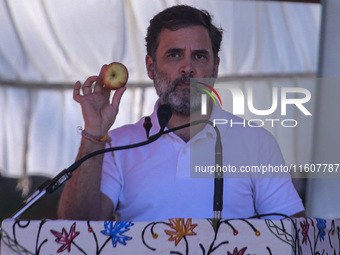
<point x="173" y="236"/>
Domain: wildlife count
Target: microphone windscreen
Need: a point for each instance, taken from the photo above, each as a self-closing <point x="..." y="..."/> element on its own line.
<point x="147" y="125"/>
<point x="164" y="114"/>
<point x="147" y="122"/>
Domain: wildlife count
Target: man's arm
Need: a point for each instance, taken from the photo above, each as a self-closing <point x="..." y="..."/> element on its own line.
<point x="81" y="197"/>
<point x="299" y="214"/>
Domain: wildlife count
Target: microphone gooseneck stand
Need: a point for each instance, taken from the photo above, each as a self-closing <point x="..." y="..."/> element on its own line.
<point x="164" y="114"/>
<point x="51" y="185"/>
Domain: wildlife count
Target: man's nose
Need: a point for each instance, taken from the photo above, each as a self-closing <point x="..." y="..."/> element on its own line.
<point x="187" y="66"/>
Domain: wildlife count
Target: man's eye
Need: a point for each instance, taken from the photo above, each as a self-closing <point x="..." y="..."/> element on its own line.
<point x="200" y="56"/>
<point x="173" y="55"/>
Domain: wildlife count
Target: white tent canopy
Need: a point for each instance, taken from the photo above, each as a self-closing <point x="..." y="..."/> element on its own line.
<point x="64" y="41"/>
<point x="45" y="46"/>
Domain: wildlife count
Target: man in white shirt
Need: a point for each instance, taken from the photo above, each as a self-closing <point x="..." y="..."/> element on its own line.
<point x="152" y="182"/>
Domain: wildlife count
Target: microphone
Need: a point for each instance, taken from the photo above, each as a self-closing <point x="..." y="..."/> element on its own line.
<point x="164" y="114"/>
<point x="147" y="126"/>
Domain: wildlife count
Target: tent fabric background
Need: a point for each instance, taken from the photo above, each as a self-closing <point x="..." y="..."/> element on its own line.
<point x="45" y="46"/>
<point x="62" y="41"/>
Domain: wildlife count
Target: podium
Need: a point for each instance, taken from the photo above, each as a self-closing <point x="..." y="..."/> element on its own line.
<point x="172" y="236"/>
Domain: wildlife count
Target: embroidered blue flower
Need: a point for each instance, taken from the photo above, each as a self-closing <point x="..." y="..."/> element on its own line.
<point x="117" y="230"/>
<point x="321" y="225"/>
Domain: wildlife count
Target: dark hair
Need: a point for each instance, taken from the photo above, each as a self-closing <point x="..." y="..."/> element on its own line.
<point x="180" y="16"/>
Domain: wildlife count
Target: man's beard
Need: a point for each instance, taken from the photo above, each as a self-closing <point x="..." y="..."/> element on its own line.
<point x="182" y="100"/>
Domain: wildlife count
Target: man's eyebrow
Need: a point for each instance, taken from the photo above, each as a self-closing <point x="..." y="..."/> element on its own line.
<point x="174" y="50"/>
<point x="201" y="51"/>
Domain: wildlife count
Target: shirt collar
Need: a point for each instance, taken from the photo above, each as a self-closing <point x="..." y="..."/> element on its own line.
<point x="208" y="131"/>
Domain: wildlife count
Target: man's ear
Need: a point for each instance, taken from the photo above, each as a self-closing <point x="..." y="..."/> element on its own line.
<point x="217" y="66"/>
<point x="149" y="66"/>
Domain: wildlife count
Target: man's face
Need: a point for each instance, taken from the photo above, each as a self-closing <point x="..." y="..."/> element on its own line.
<point x="182" y="54"/>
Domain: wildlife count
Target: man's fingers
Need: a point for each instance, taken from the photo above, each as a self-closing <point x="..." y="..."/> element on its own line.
<point x="117" y="97"/>
<point x="88" y="84"/>
<point x="76" y="91"/>
<point x="99" y="83"/>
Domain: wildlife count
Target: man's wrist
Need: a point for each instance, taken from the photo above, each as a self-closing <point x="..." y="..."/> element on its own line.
<point x="101" y="139"/>
<point x="96" y="139"/>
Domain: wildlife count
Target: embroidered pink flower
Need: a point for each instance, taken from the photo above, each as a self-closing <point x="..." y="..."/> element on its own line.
<point x="181" y="229"/>
<point x="305" y="227"/>
<point x="236" y="252"/>
<point x="65" y="238"/>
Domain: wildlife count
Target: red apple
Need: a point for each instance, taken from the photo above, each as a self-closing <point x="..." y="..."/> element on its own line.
<point x="115" y="76"/>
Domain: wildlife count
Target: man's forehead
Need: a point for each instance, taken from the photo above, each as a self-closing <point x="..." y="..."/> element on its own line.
<point x="196" y="36"/>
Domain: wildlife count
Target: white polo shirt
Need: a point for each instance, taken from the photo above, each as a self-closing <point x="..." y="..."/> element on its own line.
<point x="154" y="182"/>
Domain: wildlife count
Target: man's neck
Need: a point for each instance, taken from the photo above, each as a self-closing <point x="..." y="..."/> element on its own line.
<point x="187" y="133"/>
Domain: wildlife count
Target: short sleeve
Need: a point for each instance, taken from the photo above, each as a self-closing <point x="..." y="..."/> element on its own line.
<point x="277" y="195"/>
<point x="274" y="191"/>
<point x="112" y="181"/>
